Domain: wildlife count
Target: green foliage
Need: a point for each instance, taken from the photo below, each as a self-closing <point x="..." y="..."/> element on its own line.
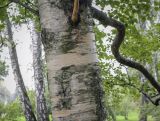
<point x="11" y="111"/>
<point x="114" y="75"/>
<point x="22" y="15"/>
<point x="131" y="11"/>
<point x="126" y="105"/>
<point x="17" y="13"/>
<point x="132" y="116"/>
<point x="3" y="13"/>
<point x="32" y="97"/>
<point x="140" y="44"/>
<point x="152" y="110"/>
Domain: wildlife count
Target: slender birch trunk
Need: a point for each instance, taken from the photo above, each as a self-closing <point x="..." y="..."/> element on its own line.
<point x="156" y="75"/>
<point x="142" y="115"/>
<point x="155" y="68"/>
<point x="73" y="73"/>
<point x="144" y="101"/>
<point x="42" y="112"/>
<point x="24" y="99"/>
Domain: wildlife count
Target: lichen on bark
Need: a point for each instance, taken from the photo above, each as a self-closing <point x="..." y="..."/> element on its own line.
<point x="75" y="90"/>
<point x="80" y="85"/>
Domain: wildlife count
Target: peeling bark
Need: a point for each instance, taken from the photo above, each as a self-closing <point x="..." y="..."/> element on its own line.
<point x="24" y="99"/>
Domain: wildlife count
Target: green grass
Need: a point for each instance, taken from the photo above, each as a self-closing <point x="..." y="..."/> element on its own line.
<point x="23" y="118"/>
<point x="133" y="116"/>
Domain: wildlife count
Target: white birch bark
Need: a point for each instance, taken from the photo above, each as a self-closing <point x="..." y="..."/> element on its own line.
<point x="42" y="113"/>
<point x="24" y="99"/>
<point x="73" y="73"/>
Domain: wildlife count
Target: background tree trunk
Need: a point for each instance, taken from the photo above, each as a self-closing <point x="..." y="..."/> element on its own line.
<point x="144" y="101"/>
<point x="156" y="75"/>
<point x="74" y="77"/>
<point x="142" y="114"/>
<point x="155" y="68"/>
<point x="26" y="104"/>
<point x="42" y="112"/>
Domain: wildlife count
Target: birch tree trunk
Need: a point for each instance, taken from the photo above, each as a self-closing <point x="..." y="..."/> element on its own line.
<point x="24" y="99"/>
<point x="144" y="101"/>
<point x="42" y="112"/>
<point x="155" y="63"/>
<point x="156" y="75"/>
<point x="73" y="73"/>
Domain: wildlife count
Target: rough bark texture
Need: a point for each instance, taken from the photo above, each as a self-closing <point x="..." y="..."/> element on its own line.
<point x="73" y="73"/>
<point x="26" y="104"/>
<point x="42" y="113"/>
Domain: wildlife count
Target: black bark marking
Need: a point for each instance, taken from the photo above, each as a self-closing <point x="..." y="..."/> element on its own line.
<point x="63" y="80"/>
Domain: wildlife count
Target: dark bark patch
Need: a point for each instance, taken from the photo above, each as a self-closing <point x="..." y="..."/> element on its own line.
<point x="64" y="103"/>
<point x="96" y="90"/>
<point x="67" y="45"/>
<point x="63" y="80"/>
<point x="47" y="38"/>
<point x="92" y="92"/>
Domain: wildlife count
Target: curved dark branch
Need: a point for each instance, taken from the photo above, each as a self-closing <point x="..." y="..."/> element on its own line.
<point x="5" y="5"/>
<point x="106" y="21"/>
<point x="26" y="6"/>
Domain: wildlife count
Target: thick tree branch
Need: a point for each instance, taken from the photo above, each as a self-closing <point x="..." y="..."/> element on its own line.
<point x="26" y="6"/>
<point x="106" y="21"/>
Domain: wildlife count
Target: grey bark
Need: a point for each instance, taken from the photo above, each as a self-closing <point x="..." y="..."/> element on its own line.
<point x="155" y="68"/>
<point x="73" y="73"/>
<point x="142" y="114"/>
<point x="42" y="112"/>
<point x="24" y="99"/>
<point x="156" y="75"/>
